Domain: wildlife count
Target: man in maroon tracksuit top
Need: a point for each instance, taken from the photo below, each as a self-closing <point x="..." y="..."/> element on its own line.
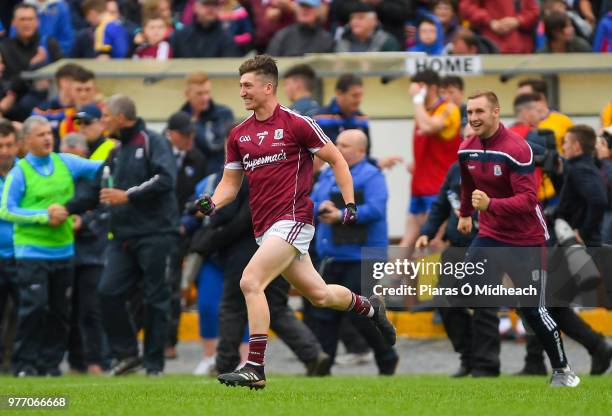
<point x="497" y="179"/>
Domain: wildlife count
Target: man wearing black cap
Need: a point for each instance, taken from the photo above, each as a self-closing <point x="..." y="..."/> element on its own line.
<point x="191" y="166"/>
<point x="89" y="121"/>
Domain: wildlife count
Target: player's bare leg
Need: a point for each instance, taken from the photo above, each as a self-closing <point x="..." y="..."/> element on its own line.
<point x="305" y="278"/>
<point x="413" y="230"/>
<point x="270" y="259"/>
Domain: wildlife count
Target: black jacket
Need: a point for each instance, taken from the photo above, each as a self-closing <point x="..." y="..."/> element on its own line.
<point x="583" y="198"/>
<point x="197" y="41"/>
<point x="16" y="54"/>
<point x="212" y="127"/>
<point x="145" y="166"/>
<point x="191" y="171"/>
<point x="443" y="208"/>
<point x="298" y="39"/>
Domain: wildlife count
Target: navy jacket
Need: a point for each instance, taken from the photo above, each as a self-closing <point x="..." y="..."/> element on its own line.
<point x="583" y="198"/>
<point x="443" y="208"/>
<point x="197" y="41"/>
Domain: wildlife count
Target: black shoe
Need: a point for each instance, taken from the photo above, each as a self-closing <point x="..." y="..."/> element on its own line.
<point x="126" y="366"/>
<point x="383" y="324"/>
<point x="320" y="366"/>
<point x="600" y="360"/>
<point x="484" y="373"/>
<point x="388" y="367"/>
<point x="462" y="371"/>
<point x="248" y="376"/>
<point x="533" y="370"/>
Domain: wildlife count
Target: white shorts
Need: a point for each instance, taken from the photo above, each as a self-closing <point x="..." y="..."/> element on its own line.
<point x="298" y="234"/>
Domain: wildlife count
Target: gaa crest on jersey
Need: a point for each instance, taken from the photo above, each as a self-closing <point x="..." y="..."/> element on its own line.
<point x="278" y="134"/>
<point x="497" y="170"/>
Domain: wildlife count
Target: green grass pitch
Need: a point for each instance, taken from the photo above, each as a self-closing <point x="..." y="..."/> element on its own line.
<point x="292" y="396"/>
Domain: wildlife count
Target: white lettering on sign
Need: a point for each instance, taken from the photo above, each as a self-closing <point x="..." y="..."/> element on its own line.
<point x="450" y="64"/>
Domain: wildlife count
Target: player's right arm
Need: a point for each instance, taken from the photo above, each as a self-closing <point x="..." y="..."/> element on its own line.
<point x="228" y="188"/>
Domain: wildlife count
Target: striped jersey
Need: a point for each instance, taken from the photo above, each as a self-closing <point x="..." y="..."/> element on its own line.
<point x="502" y="167"/>
<point x="276" y="155"/>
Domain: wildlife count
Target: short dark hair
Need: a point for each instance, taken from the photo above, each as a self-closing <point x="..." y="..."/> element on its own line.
<point x="585" y="135"/>
<point x="305" y="73"/>
<point x="97" y="5"/>
<point x="488" y="94"/>
<point x="346" y="81"/>
<point x="7" y="128"/>
<point x="554" y="22"/>
<point x="429" y="20"/>
<point x="84" y="75"/>
<point x="427" y="76"/>
<point x="452" y="81"/>
<point x="261" y="65"/>
<point x="20" y="6"/>
<point x="537" y="85"/>
<point x="523" y="99"/>
<point x="67" y="71"/>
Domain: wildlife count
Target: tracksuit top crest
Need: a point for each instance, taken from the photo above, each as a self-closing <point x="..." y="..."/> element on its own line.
<point x="502" y="167"/>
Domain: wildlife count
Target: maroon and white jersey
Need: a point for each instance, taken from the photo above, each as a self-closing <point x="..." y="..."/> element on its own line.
<point x="276" y="155"/>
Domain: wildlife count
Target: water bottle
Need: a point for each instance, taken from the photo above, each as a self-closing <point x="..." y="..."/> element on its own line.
<point x="107" y="179"/>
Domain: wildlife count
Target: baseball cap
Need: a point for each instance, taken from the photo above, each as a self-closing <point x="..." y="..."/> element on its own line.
<point x="88" y="112"/>
<point x="310" y="3"/>
<point x="181" y="122"/>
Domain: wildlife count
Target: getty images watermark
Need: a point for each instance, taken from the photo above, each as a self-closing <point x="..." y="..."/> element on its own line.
<point x="488" y="277"/>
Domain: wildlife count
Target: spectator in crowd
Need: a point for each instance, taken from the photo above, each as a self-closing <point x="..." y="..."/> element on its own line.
<point x="154" y="46"/>
<point x="550" y="119"/>
<point x="191" y="167"/>
<point x="582" y="203"/>
<point x="55" y="109"/>
<point x="163" y="9"/>
<point x="342" y="247"/>
<point x="89" y="121"/>
<point x="364" y="33"/>
<point x="269" y="17"/>
<point x="27" y="50"/>
<point x="603" y="153"/>
<point x="508" y="23"/>
<point x="474" y="336"/>
<point x="55" y="22"/>
<point x="212" y="121"/>
<point x="34" y="199"/>
<point x="603" y="34"/>
<point x="105" y="38"/>
<point x="447" y="12"/>
<point x="582" y="27"/>
<point x="560" y="35"/>
<point x="84" y="92"/>
<point x="429" y="37"/>
<point x="392" y="14"/>
<point x="300" y="82"/>
<point x="9" y="292"/>
<point x="305" y="36"/>
<point x="235" y="20"/>
<point x="466" y="42"/>
<point x="343" y="111"/>
<point x="7" y="95"/>
<point x="143" y="170"/>
<point x="127" y="13"/>
<point x="583" y="198"/>
<point x="452" y="90"/>
<point x="437" y="134"/>
<point x="87" y="341"/>
<point x="205" y="37"/>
